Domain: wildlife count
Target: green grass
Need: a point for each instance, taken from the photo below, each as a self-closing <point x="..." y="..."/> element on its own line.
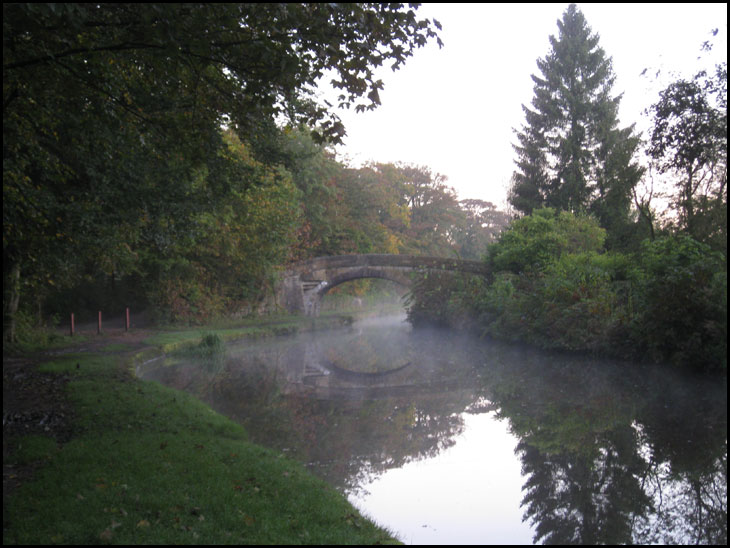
<point x="169" y="341"/>
<point x="116" y="347"/>
<point x="43" y="340"/>
<point x="149" y="464"/>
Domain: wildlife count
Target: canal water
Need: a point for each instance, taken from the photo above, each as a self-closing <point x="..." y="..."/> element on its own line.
<point x="446" y="439"/>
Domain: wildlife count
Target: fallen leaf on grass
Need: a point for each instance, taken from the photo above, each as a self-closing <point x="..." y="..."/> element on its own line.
<point x="353" y="520"/>
<point x="248" y="520"/>
<point x="143" y="523"/>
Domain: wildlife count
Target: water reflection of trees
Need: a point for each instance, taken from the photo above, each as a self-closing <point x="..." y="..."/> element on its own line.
<point x="688" y="507"/>
<point x="387" y="434"/>
<point x="586" y="497"/>
<point x="348" y="440"/>
<point x="685" y="450"/>
<point x="613" y="456"/>
<point x="610" y="453"/>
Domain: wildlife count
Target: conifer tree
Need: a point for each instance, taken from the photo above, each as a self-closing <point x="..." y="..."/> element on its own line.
<point x="572" y="155"/>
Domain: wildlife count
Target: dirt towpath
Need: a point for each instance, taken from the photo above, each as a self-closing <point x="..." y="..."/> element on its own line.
<point x="36" y="403"/>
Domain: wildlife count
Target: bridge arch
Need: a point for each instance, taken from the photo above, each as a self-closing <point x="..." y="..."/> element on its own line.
<point x="348" y="275"/>
<point x="302" y="286"/>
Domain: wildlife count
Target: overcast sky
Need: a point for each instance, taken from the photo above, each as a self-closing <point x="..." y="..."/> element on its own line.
<point x="454" y="109"/>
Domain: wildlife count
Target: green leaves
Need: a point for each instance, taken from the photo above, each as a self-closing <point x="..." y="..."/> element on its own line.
<point x="689" y="142"/>
<point x="682" y="302"/>
<point x="533" y="242"/>
<point x="112" y="117"/>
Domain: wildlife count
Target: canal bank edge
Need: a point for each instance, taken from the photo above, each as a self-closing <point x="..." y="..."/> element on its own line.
<point x="41" y="460"/>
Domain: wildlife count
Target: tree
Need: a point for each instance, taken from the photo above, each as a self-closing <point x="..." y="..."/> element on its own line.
<point x="345" y="210"/>
<point x="110" y="111"/>
<point x="689" y="142"/>
<point x="481" y="226"/>
<point x="434" y="211"/>
<point x="237" y="60"/>
<point x="234" y="244"/>
<point x="571" y="153"/>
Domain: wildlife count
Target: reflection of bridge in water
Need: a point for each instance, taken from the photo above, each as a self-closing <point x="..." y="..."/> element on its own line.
<point x="329" y="368"/>
<point x="304" y="284"/>
<point x="329" y="382"/>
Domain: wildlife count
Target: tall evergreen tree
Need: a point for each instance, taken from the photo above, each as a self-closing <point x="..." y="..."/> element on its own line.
<point x="572" y="155"/>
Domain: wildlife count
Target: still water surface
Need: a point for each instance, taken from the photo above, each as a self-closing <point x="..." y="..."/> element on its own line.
<point x="445" y="439"/>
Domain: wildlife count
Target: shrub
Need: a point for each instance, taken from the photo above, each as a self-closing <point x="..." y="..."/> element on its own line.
<point x="553" y="288"/>
<point x="681" y="300"/>
<point x="533" y="242"/>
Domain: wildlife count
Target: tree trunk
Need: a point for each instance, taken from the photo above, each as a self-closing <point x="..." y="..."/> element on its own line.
<point x="11" y="297"/>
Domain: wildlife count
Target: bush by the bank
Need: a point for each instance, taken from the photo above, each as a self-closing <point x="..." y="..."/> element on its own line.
<point x="552" y="287"/>
<point x="681" y="303"/>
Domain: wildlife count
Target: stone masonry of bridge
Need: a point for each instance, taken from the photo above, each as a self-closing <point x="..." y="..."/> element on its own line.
<point x="303" y="285"/>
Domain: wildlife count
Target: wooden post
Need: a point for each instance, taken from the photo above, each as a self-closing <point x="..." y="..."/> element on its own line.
<point x="98" y="324"/>
<point x="126" y="321"/>
<point x="72" y="324"/>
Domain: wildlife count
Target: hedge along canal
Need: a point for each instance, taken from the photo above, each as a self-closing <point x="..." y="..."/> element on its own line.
<point x="148" y="464"/>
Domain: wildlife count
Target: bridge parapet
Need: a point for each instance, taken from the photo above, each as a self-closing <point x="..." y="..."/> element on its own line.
<point x="413" y="262"/>
<point x="303" y="284"/>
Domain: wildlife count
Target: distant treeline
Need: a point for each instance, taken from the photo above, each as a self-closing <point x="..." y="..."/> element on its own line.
<point x="214" y="245"/>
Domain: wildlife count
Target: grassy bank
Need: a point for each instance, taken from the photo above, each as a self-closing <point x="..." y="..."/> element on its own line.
<point x="148" y="464"/>
<point x="171" y="340"/>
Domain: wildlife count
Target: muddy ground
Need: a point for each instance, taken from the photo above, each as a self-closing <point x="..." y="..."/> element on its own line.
<point x="36" y="403"/>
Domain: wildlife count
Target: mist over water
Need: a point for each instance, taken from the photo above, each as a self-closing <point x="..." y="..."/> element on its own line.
<point x="445" y="439"/>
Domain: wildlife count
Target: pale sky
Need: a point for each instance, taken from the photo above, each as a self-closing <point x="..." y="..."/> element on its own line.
<point x="454" y="109"/>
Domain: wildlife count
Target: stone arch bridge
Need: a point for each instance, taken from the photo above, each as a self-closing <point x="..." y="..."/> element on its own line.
<point x="304" y="284"/>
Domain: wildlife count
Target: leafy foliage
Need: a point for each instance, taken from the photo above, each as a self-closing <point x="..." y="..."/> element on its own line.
<point x="383" y="208"/>
<point x="114" y="158"/>
<point x="553" y="283"/>
<point x="554" y="286"/>
<point x="681" y="302"/>
<point x="689" y="142"/>
<point x="532" y="242"/>
<point x="238" y="61"/>
<point x="481" y="226"/>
